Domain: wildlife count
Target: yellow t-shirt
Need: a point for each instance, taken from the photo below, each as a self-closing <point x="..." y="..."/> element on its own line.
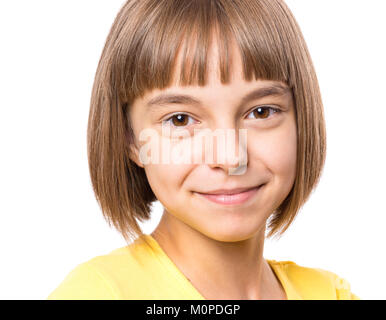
<point x="143" y="271"/>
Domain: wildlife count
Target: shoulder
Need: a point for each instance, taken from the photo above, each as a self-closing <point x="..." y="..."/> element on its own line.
<point x="314" y="283"/>
<point x="84" y="282"/>
<point x="106" y="276"/>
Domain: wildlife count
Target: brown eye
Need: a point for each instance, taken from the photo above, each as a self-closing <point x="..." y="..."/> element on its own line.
<point x="178" y="120"/>
<point x="261" y="113"/>
<point x="264" y="112"/>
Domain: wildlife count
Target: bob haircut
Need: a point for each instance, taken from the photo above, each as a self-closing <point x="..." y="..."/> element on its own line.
<point x="140" y="54"/>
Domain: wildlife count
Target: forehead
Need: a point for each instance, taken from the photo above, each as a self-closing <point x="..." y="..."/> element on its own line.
<point x="233" y="62"/>
<point x="214" y="87"/>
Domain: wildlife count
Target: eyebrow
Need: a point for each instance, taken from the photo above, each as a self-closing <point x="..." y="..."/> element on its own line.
<point x="172" y="98"/>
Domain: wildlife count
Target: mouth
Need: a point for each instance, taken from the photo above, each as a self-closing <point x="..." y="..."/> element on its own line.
<point x="231" y="197"/>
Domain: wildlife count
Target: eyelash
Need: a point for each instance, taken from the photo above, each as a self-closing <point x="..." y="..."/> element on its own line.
<point x="275" y="110"/>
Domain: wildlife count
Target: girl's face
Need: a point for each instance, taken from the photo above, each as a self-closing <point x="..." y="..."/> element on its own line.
<point x="270" y="152"/>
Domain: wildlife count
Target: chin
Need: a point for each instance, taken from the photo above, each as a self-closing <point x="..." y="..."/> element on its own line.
<point x="230" y="237"/>
<point x="232" y="234"/>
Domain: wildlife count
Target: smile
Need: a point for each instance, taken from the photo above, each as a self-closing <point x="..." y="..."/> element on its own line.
<point x="231" y="199"/>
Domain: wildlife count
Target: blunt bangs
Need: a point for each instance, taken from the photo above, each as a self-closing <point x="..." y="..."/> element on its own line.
<point x="146" y="59"/>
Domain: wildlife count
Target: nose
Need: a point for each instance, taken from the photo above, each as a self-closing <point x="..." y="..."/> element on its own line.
<point x="230" y="151"/>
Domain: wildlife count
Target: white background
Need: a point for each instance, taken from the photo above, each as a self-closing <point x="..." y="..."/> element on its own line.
<point x="50" y="221"/>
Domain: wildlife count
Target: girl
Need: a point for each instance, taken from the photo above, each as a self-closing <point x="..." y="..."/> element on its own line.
<point x="173" y="68"/>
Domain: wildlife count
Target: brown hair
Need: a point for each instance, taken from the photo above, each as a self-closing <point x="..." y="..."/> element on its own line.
<point x="140" y="55"/>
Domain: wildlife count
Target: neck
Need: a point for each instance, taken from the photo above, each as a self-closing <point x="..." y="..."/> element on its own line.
<point x="217" y="269"/>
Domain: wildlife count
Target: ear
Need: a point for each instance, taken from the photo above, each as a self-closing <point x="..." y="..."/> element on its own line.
<point x="134" y="155"/>
<point x="131" y="144"/>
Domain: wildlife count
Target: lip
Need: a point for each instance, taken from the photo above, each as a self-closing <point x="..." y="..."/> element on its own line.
<point x="229" y="191"/>
<point x="231" y="197"/>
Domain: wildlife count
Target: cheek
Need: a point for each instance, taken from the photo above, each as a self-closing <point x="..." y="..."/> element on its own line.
<point x="276" y="149"/>
<point x="165" y="177"/>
